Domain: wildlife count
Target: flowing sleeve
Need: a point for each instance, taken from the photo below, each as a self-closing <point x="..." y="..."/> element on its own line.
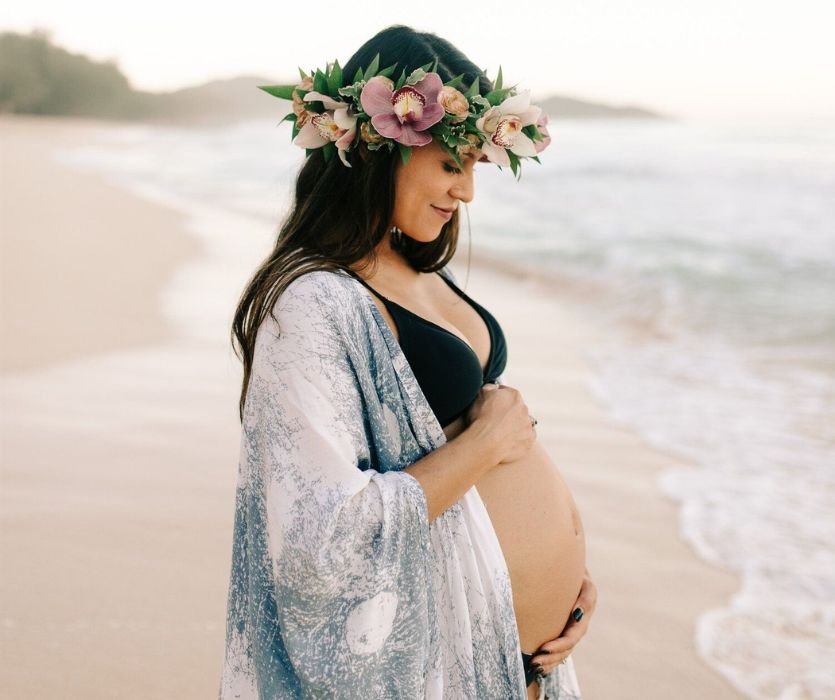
<point x="330" y="586"/>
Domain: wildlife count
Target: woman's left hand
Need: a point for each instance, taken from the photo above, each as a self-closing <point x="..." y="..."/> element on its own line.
<point x="550" y="654"/>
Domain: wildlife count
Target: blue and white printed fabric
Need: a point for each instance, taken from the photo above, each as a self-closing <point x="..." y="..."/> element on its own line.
<point x="340" y="587"/>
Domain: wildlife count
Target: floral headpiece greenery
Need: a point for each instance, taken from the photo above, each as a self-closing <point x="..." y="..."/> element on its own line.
<point x="502" y="124"/>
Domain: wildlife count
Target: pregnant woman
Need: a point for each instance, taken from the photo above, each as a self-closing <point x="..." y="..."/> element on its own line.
<point x="453" y="348"/>
<point x="399" y="531"/>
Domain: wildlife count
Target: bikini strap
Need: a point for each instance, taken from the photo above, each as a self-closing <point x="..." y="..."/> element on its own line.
<point x="455" y="288"/>
<point x="369" y="287"/>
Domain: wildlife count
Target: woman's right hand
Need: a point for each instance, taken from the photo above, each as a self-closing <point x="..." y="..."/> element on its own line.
<point x="502" y="415"/>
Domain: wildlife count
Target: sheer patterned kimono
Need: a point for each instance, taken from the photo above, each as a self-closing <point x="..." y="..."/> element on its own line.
<point x="340" y="587"/>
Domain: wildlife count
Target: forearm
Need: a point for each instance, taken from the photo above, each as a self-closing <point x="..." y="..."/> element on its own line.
<point x="449" y="472"/>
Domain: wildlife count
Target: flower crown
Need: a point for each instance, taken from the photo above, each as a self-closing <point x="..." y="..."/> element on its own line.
<point x="502" y="124"/>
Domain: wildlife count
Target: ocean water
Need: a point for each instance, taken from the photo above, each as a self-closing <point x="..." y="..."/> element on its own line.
<point x="705" y="255"/>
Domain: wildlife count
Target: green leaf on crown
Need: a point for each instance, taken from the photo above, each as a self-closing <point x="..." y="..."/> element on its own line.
<point x="473" y="91"/>
<point x="302" y="73"/>
<point x="481" y="103"/>
<point x="386" y="72"/>
<point x="371" y="71"/>
<point x="514" y="161"/>
<point x="498" y="84"/>
<point x="496" y="97"/>
<point x="335" y="79"/>
<point x="285" y="92"/>
<point x="456" y="81"/>
<point x="320" y="82"/>
<point x="352" y="91"/>
<point x="532" y="131"/>
<point x="405" y="152"/>
<point x="416" y="76"/>
<point x="452" y="152"/>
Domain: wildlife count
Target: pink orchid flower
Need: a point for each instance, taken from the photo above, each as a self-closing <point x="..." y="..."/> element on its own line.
<point x="404" y="114"/>
<point x="541" y="124"/>
<point x="503" y="126"/>
<point x="336" y="125"/>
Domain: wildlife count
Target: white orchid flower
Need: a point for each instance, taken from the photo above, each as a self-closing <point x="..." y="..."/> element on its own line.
<point x="503" y="125"/>
<point x="337" y="125"/>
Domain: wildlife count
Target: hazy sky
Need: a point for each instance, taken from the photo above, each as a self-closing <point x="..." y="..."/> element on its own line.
<point x="741" y="59"/>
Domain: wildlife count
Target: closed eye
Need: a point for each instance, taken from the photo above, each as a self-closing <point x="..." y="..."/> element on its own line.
<point x="451" y="169"/>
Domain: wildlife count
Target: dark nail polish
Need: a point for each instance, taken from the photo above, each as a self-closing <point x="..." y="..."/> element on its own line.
<point x="537" y="668"/>
<point x="577" y="614"/>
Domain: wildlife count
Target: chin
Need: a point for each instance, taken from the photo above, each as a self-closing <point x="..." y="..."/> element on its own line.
<point x="425" y="236"/>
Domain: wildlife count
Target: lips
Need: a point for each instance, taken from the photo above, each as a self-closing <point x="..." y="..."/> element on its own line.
<point x="445" y="214"/>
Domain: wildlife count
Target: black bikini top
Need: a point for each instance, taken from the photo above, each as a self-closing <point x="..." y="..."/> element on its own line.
<point x="446" y="367"/>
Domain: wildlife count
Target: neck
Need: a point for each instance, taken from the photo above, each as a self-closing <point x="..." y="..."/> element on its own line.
<point x="390" y="264"/>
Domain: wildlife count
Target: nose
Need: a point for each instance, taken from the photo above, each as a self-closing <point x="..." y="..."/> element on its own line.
<point x="463" y="188"/>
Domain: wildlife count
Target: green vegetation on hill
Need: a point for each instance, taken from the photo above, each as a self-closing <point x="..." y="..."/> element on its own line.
<point x="38" y="77"/>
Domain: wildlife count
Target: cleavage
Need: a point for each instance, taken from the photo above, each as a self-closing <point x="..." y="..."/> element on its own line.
<point x="446" y="330"/>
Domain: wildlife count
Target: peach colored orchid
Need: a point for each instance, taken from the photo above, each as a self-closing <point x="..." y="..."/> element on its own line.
<point x="503" y="126"/>
<point x="298" y="103"/>
<point x="454" y="103"/>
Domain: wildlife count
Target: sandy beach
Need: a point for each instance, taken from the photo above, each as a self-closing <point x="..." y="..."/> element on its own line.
<point x="119" y="443"/>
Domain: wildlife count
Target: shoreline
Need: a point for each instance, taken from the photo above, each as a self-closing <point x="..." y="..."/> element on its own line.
<point x="108" y="251"/>
<point x="652" y="586"/>
<point x="164" y="552"/>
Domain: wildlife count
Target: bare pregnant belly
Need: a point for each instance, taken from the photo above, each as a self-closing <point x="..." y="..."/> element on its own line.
<point x="542" y="538"/>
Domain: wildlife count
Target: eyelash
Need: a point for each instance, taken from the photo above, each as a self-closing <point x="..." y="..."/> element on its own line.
<point x="450" y="169"/>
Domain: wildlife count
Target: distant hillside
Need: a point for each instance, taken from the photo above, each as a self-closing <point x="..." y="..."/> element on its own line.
<point x="238" y="98"/>
<point x="569" y="108"/>
<point x="37" y="77"/>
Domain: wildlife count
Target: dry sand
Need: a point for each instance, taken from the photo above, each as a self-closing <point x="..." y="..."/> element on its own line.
<point x="119" y="449"/>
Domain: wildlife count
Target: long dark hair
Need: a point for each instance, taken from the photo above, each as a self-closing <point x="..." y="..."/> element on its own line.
<point x="340" y="215"/>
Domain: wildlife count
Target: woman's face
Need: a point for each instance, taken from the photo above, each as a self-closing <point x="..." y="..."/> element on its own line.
<point x="428" y="182"/>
